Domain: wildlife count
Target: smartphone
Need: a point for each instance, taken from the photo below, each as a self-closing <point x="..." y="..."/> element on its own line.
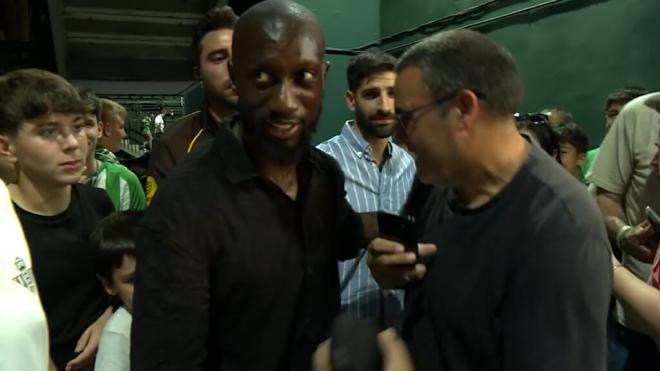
<point x="653" y="217"/>
<point x="399" y="228"/>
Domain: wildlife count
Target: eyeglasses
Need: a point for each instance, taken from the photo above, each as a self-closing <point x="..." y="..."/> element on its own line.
<point x="405" y="118"/>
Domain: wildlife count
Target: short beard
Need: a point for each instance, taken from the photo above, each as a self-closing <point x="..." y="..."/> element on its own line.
<point x="367" y="129"/>
<point x="266" y="147"/>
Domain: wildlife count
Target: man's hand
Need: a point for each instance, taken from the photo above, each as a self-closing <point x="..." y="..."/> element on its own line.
<point x="640" y="241"/>
<point x="88" y="343"/>
<point x="393" y="267"/>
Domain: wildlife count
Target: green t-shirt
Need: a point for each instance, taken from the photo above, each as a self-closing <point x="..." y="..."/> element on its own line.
<point x="121" y="184"/>
<point x="584" y="170"/>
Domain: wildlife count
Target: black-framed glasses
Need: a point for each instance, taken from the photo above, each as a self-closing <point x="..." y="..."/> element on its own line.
<point x="405" y="118"/>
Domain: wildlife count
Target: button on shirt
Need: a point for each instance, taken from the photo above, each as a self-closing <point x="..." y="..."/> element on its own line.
<point x="370" y="189"/>
<point x="234" y="274"/>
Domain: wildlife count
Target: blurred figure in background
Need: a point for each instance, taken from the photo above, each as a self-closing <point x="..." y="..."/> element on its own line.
<point x="573" y="144"/>
<point x="536" y="129"/>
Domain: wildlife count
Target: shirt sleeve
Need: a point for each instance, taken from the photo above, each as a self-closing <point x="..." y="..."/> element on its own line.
<point x="137" y="198"/>
<point x="555" y="307"/>
<point x="161" y="164"/>
<point x="613" y="166"/>
<point x="171" y="302"/>
<point x="113" y="354"/>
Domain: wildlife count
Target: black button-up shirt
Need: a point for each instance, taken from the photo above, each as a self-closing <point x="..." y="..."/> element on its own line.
<point x="233" y="274"/>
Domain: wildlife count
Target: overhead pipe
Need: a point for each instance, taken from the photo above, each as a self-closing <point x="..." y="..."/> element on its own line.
<point x="463" y="13"/>
<point x="489" y="21"/>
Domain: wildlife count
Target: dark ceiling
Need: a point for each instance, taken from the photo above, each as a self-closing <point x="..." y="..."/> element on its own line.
<point x="128" y="39"/>
<point x="121" y="40"/>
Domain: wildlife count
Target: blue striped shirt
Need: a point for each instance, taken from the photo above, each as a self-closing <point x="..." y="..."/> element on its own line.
<point x="370" y="189"/>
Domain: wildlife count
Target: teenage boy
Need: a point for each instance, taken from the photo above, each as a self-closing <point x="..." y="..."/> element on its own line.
<point x="104" y="126"/>
<point x="114" y="240"/>
<point x="42" y="134"/>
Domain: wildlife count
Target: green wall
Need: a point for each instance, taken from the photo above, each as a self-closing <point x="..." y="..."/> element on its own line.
<point x="347" y="24"/>
<point x="572" y="54"/>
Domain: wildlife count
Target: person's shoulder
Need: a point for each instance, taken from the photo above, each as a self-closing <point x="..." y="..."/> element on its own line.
<point x="402" y="155"/>
<point x="653" y="101"/>
<point x="556" y="196"/>
<point x="323" y="159"/>
<point x="326" y="146"/>
<point x="121" y="171"/>
<point x="641" y="102"/>
<point x="183" y="125"/>
<point x="96" y="198"/>
<point x="193" y="178"/>
<point x="637" y="112"/>
<point x="119" y="322"/>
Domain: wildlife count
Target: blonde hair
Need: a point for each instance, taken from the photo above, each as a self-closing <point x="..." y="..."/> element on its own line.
<point x="110" y="110"/>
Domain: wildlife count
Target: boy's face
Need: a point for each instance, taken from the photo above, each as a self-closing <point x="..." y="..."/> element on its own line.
<point x="570" y="159"/>
<point x="93" y="133"/>
<point x="122" y="282"/>
<point x="50" y="149"/>
<point x="113" y="133"/>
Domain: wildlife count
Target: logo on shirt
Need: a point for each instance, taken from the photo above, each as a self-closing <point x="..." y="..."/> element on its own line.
<point x="25" y="278"/>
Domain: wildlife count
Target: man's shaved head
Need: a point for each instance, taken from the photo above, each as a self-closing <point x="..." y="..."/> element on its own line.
<point x="276" y="19"/>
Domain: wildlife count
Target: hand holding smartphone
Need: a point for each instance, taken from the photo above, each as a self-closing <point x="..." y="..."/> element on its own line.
<point x="653" y="218"/>
<point x="399" y="228"/>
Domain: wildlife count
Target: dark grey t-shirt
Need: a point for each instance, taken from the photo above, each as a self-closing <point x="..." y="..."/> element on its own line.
<point x="522" y="283"/>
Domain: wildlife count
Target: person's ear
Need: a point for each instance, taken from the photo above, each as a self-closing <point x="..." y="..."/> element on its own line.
<point x="104" y="129"/>
<point x="350" y="100"/>
<point x="581" y="159"/>
<point x="7" y="148"/>
<point x="107" y="285"/>
<point x="467" y="107"/>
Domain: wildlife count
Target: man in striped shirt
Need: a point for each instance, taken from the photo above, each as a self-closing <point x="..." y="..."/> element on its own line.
<point x="378" y="174"/>
<point x="105" y="118"/>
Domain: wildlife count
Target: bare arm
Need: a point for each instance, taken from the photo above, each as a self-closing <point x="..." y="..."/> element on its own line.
<point x="640" y="299"/>
<point x="639" y="241"/>
<point x="611" y="206"/>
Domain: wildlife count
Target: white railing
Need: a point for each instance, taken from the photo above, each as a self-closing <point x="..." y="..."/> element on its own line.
<point x="132" y="148"/>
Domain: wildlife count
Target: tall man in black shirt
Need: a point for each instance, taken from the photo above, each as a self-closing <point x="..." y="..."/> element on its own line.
<point x="521" y="279"/>
<point x="238" y="253"/>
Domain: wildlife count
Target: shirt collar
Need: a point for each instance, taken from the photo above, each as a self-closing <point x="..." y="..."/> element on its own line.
<point x="360" y="145"/>
<point x="105" y="155"/>
<point x="237" y="163"/>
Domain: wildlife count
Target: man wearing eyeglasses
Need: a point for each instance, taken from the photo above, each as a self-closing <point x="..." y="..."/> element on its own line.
<point x="521" y="279"/>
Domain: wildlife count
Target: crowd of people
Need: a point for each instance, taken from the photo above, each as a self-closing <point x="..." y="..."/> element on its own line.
<point x="445" y="229"/>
